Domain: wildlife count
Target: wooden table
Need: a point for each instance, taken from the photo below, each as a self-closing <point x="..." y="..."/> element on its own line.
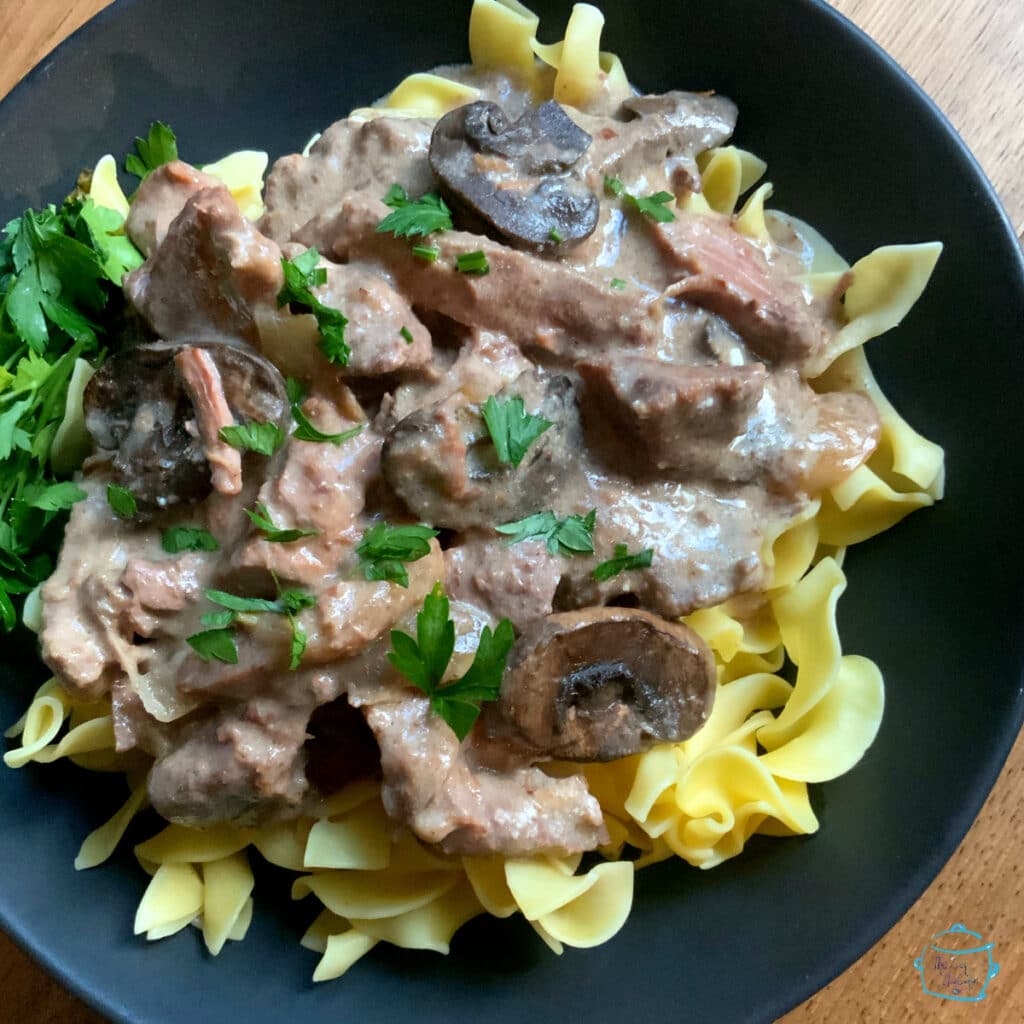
<point x="969" y="55"/>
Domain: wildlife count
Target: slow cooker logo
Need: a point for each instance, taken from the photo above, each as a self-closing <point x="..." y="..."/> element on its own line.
<point x="957" y="964"/>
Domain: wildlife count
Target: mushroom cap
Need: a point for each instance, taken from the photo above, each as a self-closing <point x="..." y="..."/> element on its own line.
<point x="440" y="460"/>
<point x="137" y="407"/>
<point x="514" y="176"/>
<point x="604" y="683"/>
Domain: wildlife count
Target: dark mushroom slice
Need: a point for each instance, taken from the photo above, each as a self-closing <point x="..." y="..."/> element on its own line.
<point x="604" y="683"/>
<point x="514" y="176"/>
<point x="441" y="462"/>
<point x="157" y="408"/>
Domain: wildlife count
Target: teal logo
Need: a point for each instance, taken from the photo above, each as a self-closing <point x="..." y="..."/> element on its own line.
<point x="957" y="964"/>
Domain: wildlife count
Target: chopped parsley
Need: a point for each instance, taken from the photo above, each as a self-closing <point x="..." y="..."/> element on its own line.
<point x="158" y="147"/>
<point x="618" y="284"/>
<point x="426" y="252"/>
<point x="622" y="562"/>
<point x="424" y="660"/>
<point x="512" y="430"/>
<point x="384" y="550"/>
<point x="407" y="335"/>
<point x="301" y="276"/>
<point x="412" y="218"/>
<point x="216" y="644"/>
<point x="472" y="263"/>
<point x="573" y="535"/>
<point x="556" y="236"/>
<point x="187" y="538"/>
<point x="122" y="501"/>
<point x="219" y="641"/>
<point x="264" y="522"/>
<point x="652" y="206"/>
<point x="304" y="430"/>
<point x="60" y="304"/>
<point x="262" y="438"/>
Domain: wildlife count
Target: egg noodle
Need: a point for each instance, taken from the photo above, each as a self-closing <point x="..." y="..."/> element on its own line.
<point x="745" y="772"/>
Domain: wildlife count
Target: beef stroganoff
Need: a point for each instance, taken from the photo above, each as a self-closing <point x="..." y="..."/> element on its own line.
<point x="451" y="500"/>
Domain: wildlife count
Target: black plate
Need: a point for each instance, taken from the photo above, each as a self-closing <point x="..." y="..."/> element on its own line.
<point x="853" y="147"/>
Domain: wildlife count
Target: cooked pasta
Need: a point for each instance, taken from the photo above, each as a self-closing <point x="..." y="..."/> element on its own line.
<point x="745" y="772"/>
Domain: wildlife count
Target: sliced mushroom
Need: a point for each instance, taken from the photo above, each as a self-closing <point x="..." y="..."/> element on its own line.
<point x="514" y="176"/>
<point x="604" y="683"/>
<point x="441" y="462"/>
<point x="157" y="407"/>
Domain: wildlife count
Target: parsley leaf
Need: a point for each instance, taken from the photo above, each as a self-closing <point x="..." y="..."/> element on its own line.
<point x="301" y="275"/>
<point x="215" y="643"/>
<point x="511" y="429"/>
<point x="122" y="501"/>
<point x="406" y="335"/>
<point x="289" y="603"/>
<point x="263" y="521"/>
<point x="622" y="562"/>
<point x="187" y="538"/>
<point x="158" y="147"/>
<point x="262" y="438"/>
<point x="103" y="230"/>
<point x="472" y="263"/>
<point x="414" y="217"/>
<point x="618" y="284"/>
<point x="57" y="497"/>
<point x="384" y="549"/>
<point x="424" y="660"/>
<point x="652" y="206"/>
<point x="304" y="430"/>
<point x="570" y="536"/>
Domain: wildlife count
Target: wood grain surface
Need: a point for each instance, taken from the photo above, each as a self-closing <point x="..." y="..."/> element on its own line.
<point x="969" y="56"/>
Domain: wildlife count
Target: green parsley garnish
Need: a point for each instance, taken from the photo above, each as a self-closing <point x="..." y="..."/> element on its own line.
<point x="618" y="284"/>
<point x="511" y="429"/>
<point x="384" y="549"/>
<point x="570" y="536"/>
<point x="556" y="236"/>
<point x="423" y="662"/>
<point x="304" y="430"/>
<point x="426" y="252"/>
<point x="264" y="522"/>
<point x="215" y="643"/>
<point x="613" y="186"/>
<point x="652" y="206"/>
<point x="56" y="497"/>
<point x="262" y="438"/>
<point x="158" y="147"/>
<point x="289" y="603"/>
<point x="122" y="501"/>
<point x="60" y="292"/>
<point x="472" y="263"/>
<point x="187" y="538"/>
<point x="407" y="335"/>
<point x="414" y="217"/>
<point x="622" y="562"/>
<point x="301" y="275"/>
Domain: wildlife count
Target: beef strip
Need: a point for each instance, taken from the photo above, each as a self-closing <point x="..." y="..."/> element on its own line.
<point x="540" y="304"/>
<point x="160" y="199"/>
<point x="431" y="786"/>
<point x="209" y="273"/>
<point x="511" y="581"/>
<point x="728" y="275"/>
<point x="657" y="146"/>
<point x="729" y="423"/>
<point x="350" y="156"/>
